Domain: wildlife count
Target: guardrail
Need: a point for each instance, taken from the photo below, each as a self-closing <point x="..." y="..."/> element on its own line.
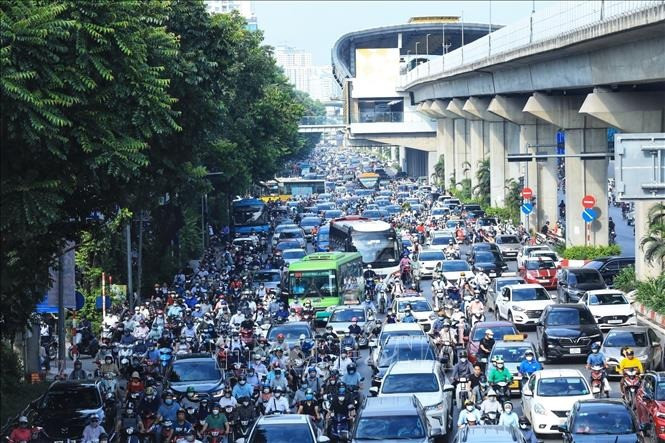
<point x="557" y="20"/>
<point x="321" y="120"/>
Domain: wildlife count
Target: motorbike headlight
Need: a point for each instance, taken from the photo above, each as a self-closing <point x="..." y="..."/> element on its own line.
<point x="518" y="308"/>
<point x="539" y="409"/>
<point x="436" y="407"/>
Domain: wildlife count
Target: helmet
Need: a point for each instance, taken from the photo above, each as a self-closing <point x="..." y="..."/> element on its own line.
<point x="596" y="345"/>
<point x="629" y="351"/>
<point x="524" y="421"/>
<point x="23" y="419"/>
<point x="191" y="389"/>
<point x="528" y="352"/>
<point x="354" y="320"/>
<point x="491" y="393"/>
<point x="351" y="367"/>
<point x="280" y="336"/>
<point x="499" y="359"/>
<point x="302" y="337"/>
<point x="489" y="332"/>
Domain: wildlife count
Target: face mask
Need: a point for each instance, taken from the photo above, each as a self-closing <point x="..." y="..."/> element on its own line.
<point x="508" y="409"/>
<point x="351" y="371"/>
<point x="469" y="408"/>
<point x="595" y="351"/>
<point x="463" y="360"/>
<point x="227" y="395"/>
<point x="277" y="395"/>
<point x="340" y="398"/>
<point x="190" y="438"/>
<point x="499" y="365"/>
<point x="523" y="426"/>
<point x="245" y="403"/>
<point x="242" y="382"/>
<point x="95" y="424"/>
<point x="529" y="358"/>
<point x="168" y="401"/>
<point x="190" y="394"/>
<point x="312" y="375"/>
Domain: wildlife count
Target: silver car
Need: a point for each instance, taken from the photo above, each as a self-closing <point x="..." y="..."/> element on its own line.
<point x="641" y="339"/>
<point x="509" y="246"/>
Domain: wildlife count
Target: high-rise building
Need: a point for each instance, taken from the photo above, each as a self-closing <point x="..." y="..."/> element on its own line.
<point x="244" y="7"/>
<point x="315" y="80"/>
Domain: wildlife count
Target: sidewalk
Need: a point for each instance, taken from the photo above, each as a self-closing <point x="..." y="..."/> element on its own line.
<point x="650" y="318"/>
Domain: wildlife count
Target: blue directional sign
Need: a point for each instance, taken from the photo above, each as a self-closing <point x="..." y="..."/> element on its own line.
<point x="589" y="215"/>
<point x="527" y="208"/>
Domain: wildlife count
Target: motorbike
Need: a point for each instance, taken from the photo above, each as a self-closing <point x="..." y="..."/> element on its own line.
<point x="165" y="357"/>
<point x="462" y="392"/>
<point x="502" y="391"/>
<point x="490" y="418"/>
<point x="631" y="383"/>
<point x="598" y="382"/>
<point x="339" y="428"/>
<point x="383" y="301"/>
<point x="214" y="435"/>
<point x="84" y="342"/>
<point x="131" y="435"/>
<point x="477" y="316"/>
<point x="447" y="354"/>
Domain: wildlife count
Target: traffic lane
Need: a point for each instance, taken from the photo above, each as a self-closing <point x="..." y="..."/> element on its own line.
<point x="625" y="234"/>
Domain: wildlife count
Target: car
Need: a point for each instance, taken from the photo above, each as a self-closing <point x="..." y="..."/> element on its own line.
<point x="567" y="330"/>
<point x="439" y="213"/>
<point x="308" y="224"/>
<point x="477" y="332"/>
<point x="549" y="395"/>
<point x="331" y="214"/>
<point x="322" y="240"/>
<point x="486" y="222"/>
<point x="495" y="288"/>
<point x="287" y="244"/>
<point x="373" y="214"/>
<point x="609" y="267"/>
<point x="453" y="270"/>
<point x="426" y="380"/>
<point x="392" y="419"/>
<point x="547" y="253"/>
<point x="293" y="255"/>
<point x="282" y="428"/>
<point x="539" y="270"/>
<point x="281" y="228"/>
<point x="489" y="262"/>
<point x="512" y="349"/>
<point x="527" y="250"/>
<point x="401" y="349"/>
<point x="472" y="207"/>
<point x="441" y="240"/>
<point x="420" y="308"/>
<point x="489" y="434"/>
<point x="270" y="278"/>
<point x="393" y="330"/>
<point x="245" y="242"/>
<point x="572" y="283"/>
<point x="650" y="403"/>
<point x="509" y="245"/>
<point x="291" y="330"/>
<point x="199" y="371"/>
<point x="602" y="420"/>
<point x="522" y="304"/>
<point x="641" y="339"/>
<point x="428" y="259"/>
<point x="610" y="308"/>
<point x="473" y="216"/>
<point x="65" y="409"/>
<point x="292" y="234"/>
<point x="484" y="246"/>
<point x="340" y="320"/>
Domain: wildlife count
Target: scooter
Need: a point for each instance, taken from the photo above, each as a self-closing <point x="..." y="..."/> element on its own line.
<point x="598" y="381"/>
<point x="631" y="383"/>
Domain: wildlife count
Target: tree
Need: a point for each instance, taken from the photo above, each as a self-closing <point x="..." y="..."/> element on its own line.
<point x="440" y="171"/>
<point x="513" y="198"/>
<point x="653" y="243"/>
<point x="482" y="189"/>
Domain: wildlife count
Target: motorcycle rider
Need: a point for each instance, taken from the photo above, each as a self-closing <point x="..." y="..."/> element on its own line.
<point x="108" y="365"/>
<point x="469" y="410"/>
<point x="368" y="304"/>
<point x="309" y="407"/>
<point x="629" y="362"/>
<point x="499" y="373"/>
<point x="486" y="344"/>
<point x="78" y="373"/>
<point x="93" y="430"/>
<point x="141" y="331"/>
<point x="278" y="403"/>
<point x="246" y="412"/>
<point x="451" y="250"/>
<point x="128" y="419"/>
<point x="352" y="378"/>
<point x="446" y="334"/>
<point x="21" y="433"/>
<point x="490" y="404"/>
<point x="476" y="307"/>
<point x="597" y="358"/>
<point x="354" y="329"/>
<point x="216" y="420"/>
<point x="408" y="316"/>
<point x="529" y="365"/>
<point x="439" y="288"/>
<point x="528" y="433"/>
<point x="462" y="369"/>
<point x="508" y="416"/>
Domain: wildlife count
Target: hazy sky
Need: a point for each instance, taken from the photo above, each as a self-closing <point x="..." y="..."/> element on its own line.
<point x="316" y="25"/>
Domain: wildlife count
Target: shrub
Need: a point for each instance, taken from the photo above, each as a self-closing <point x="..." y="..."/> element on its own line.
<point x="501" y="213"/>
<point x="651" y="293"/>
<point x="590" y="252"/>
<point x="625" y="280"/>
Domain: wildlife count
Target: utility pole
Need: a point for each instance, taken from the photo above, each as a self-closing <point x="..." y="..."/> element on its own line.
<point x="130" y="292"/>
<point x="139" y="264"/>
<point x="61" y="312"/>
<point x="427" y="44"/>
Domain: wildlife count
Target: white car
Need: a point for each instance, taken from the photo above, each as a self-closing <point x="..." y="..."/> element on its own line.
<point x="428" y="259"/>
<point x="425" y="380"/>
<point x="549" y="395"/>
<point x="420" y="308"/>
<point x="439" y="213"/>
<point x="452" y="270"/>
<point x="610" y="308"/>
<point x="522" y="304"/>
<point x="526" y="251"/>
<point x="547" y="253"/>
<point x="293" y="255"/>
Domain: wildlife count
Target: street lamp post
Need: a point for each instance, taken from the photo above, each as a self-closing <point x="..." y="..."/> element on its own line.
<point x="427" y="44"/>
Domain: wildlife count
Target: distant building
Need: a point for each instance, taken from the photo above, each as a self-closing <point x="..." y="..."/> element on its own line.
<point x="244" y="7"/>
<point x="297" y="65"/>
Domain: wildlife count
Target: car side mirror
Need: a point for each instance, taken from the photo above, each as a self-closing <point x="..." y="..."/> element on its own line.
<point x="322" y="439"/>
<point x="373" y="391"/>
<point x="542" y="359"/>
<point x="527" y="392"/>
<point x="563" y="428"/>
<point x="655" y="344"/>
<point x="448" y="388"/>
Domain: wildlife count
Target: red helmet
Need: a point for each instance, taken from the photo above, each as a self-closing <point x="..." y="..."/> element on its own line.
<point x="280" y="336"/>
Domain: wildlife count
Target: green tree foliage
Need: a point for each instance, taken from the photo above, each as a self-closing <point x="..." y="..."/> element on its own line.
<point x="513" y="198"/>
<point x="482" y="189"/>
<point x="653" y="243"/>
<point x="625" y="280"/>
<point x="651" y="293"/>
<point x="589" y="252"/>
<point x="440" y="171"/>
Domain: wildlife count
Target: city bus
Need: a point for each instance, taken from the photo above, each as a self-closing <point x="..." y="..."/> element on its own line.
<point x="250" y="214"/>
<point x="327" y="279"/>
<point x="375" y="240"/>
<point x="369" y="180"/>
<point x="295" y="186"/>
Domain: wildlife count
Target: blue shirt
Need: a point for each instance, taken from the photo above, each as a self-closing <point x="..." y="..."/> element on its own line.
<point x="409" y="319"/>
<point x="529" y="367"/>
<point x="240" y="391"/>
<point x="351" y="379"/>
<point x="596" y="359"/>
<point x="169" y="412"/>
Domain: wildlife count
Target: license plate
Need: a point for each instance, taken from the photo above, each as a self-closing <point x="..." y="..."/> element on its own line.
<point x="543" y="281"/>
<point x="614" y="321"/>
<point x="575" y="350"/>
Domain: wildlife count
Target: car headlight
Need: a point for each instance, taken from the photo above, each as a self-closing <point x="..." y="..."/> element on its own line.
<point x="436" y="407"/>
<point x="539" y="409"/>
<point x="518" y="308"/>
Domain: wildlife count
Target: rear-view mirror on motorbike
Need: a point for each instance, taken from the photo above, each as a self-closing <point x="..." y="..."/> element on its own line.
<point x="373" y="391"/>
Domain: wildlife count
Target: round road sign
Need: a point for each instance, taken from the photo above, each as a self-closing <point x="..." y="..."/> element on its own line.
<point x="589" y="201"/>
<point x="527" y="193"/>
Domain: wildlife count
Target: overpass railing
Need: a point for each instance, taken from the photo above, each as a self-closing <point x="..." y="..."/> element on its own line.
<point x="321" y="120"/>
<point x="557" y="20"/>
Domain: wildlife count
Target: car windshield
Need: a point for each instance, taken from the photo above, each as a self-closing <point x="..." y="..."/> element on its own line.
<point x="660" y="390"/>
<point x="594" y="264"/>
<point x="562" y="387"/>
<point x="486" y="257"/>
<point x="455" y="266"/>
<point x="291" y="332"/>
<point x="560" y="317"/>
<point x="416" y="305"/>
<point x="288" y="245"/>
<point x="617" y="339"/>
<point x="409" y="383"/>
<point x="534" y="265"/>
<point x="615" y="298"/>
<point x="185" y="371"/>
<point x="506" y="239"/>
<point x="290" y="234"/>
<point x="530" y="294"/>
<point x="500" y="284"/>
<point x="313" y="283"/>
<point x="499" y="332"/>
<point x="576" y="278"/>
<point x="283" y="433"/>
<point x="431" y="256"/>
<point x="510" y="354"/>
<point x="310" y="221"/>
<point x="609" y="421"/>
<point x="551" y="255"/>
<point x="73" y="399"/>
<point x="404" y="352"/>
<point x="390" y="427"/>
<point x="265" y="276"/>
<point x="345" y="315"/>
<point x="385" y="336"/>
<point x="442" y="240"/>
<point x="291" y="255"/>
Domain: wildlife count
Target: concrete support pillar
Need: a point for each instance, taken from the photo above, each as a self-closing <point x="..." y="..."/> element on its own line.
<point x="445" y="136"/>
<point x="393" y="153"/>
<point x="432" y="158"/>
<point x="511" y="143"/>
<point x="475" y="147"/>
<point x="402" y="158"/>
<point x="548" y="180"/>
<point x="497" y="163"/>
<point x="459" y="164"/>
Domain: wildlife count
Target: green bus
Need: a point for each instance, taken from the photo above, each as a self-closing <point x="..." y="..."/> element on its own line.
<point x="327" y="279"/>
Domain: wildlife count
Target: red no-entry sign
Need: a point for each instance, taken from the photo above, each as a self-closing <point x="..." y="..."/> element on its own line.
<point x="527" y="193"/>
<point x="589" y="201"/>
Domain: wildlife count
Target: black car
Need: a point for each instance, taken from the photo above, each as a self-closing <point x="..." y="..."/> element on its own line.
<point x="602" y="421"/>
<point x="199" y="371"/>
<point x="567" y="330"/>
<point x="489" y="262"/>
<point x="66" y="408"/>
<point x="485" y="247"/>
<point x="573" y="283"/>
<point x="609" y="267"/>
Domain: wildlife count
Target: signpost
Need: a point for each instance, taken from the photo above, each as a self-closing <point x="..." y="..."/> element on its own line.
<point x="589" y="201"/>
<point x="527" y="193"/>
<point x="527" y="208"/>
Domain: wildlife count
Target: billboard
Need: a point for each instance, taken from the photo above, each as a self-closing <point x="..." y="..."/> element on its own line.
<point x="377" y="72"/>
<point x="639" y="166"/>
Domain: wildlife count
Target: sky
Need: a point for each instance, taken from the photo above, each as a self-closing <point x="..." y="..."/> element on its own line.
<point x="315" y="25"/>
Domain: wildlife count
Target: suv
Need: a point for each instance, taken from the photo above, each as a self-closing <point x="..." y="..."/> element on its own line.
<point x="300" y="428"/>
<point x="602" y="420"/>
<point x="650" y="403"/>
<point x="425" y="380"/>
<point x="400" y="418"/>
<point x="609" y="267"/>
<point x="401" y="349"/>
<point x="574" y="282"/>
<point x="567" y="330"/>
<point x="200" y="371"/>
